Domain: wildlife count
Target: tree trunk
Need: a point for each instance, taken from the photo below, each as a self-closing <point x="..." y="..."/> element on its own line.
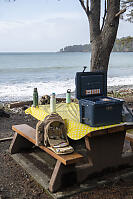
<point x="102" y="41"/>
<point x="99" y="55"/>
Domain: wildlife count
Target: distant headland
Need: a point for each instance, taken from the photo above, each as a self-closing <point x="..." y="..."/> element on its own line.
<point x="124" y="44"/>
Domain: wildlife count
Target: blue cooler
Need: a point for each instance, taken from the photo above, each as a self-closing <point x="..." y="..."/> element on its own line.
<point x="96" y="109"/>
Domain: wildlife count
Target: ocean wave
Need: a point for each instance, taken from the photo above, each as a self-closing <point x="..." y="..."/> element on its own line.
<point x="24" y="91"/>
<point x="36" y="69"/>
<point x="119" y="81"/>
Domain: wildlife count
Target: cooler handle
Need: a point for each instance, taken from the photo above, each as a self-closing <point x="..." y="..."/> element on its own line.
<point x="84" y="68"/>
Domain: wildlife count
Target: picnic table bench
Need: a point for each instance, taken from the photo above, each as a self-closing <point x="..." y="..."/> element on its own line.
<point x="24" y="138"/>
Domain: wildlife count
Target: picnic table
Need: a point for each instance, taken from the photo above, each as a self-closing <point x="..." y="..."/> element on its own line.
<point x="103" y="144"/>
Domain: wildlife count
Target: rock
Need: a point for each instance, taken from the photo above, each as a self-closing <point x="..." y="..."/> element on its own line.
<point x="25" y="107"/>
<point x="1" y="105"/>
<point x="4" y="114"/>
<point x="44" y="100"/>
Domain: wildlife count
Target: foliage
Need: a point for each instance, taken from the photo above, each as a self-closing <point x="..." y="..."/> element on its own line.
<point x="124" y="44"/>
<point x="77" y="48"/>
<point x="129" y="7"/>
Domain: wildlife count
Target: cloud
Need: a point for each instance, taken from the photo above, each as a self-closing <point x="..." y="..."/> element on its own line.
<point x="47" y="34"/>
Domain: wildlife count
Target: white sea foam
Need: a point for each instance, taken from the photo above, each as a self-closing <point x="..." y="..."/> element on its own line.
<point x="24" y="91"/>
<point x="119" y="81"/>
<point x="20" y="92"/>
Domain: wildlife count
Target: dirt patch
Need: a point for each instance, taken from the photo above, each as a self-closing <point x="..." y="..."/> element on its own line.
<point x="119" y="190"/>
<point x="15" y="183"/>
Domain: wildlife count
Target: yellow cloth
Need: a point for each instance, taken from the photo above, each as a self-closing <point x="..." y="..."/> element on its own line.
<point x="71" y="116"/>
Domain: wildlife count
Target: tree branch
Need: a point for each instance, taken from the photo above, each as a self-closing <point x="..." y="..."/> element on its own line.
<point x="94" y="19"/>
<point x="83" y="5"/>
<point x="86" y="9"/>
<point x="105" y="12"/>
<point x="87" y="6"/>
<point x="120" y="12"/>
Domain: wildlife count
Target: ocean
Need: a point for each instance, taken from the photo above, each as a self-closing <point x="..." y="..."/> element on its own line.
<point x="54" y="72"/>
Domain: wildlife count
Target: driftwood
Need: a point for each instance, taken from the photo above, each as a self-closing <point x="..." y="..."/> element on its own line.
<point x="19" y="104"/>
<point x="6" y="139"/>
<point x="63" y="100"/>
<point x="29" y="103"/>
<point x="120" y="12"/>
<point x="58" y="100"/>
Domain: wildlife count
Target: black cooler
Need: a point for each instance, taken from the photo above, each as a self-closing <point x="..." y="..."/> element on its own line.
<point x="96" y="109"/>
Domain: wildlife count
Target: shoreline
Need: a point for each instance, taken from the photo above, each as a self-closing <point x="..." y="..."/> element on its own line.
<point x="120" y="90"/>
<point x="119" y="87"/>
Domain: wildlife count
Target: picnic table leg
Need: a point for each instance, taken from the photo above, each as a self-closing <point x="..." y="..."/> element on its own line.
<point x="105" y="150"/>
<point x="18" y="143"/>
<point x="62" y="176"/>
<point x="131" y="145"/>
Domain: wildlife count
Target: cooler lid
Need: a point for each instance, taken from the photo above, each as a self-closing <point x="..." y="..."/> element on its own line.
<point x="90" y="84"/>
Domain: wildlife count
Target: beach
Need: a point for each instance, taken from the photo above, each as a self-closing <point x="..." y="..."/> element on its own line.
<point x="20" y="73"/>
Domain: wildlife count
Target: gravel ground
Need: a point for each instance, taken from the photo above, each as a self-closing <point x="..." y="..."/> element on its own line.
<point x="12" y="186"/>
<point x="15" y="183"/>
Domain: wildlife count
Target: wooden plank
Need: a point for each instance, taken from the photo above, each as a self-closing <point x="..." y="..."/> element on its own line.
<point x="55" y="181"/>
<point x="19" y="143"/>
<point x="65" y="159"/>
<point x="6" y="139"/>
<point x="62" y="176"/>
<point x="29" y="133"/>
<point x="26" y="131"/>
<point x="29" y="103"/>
<point x="114" y="129"/>
<point x="97" y="133"/>
<point x="19" y="104"/>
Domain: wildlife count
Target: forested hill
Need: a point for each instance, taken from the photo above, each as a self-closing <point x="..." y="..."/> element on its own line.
<point x="124" y="44"/>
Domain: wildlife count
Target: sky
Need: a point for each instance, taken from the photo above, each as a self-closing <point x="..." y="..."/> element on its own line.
<point x="45" y="25"/>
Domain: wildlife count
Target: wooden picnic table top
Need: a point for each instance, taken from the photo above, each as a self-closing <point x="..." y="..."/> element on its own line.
<point x="70" y="114"/>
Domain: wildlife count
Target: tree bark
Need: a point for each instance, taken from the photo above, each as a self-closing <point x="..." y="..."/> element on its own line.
<point x="102" y="41"/>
